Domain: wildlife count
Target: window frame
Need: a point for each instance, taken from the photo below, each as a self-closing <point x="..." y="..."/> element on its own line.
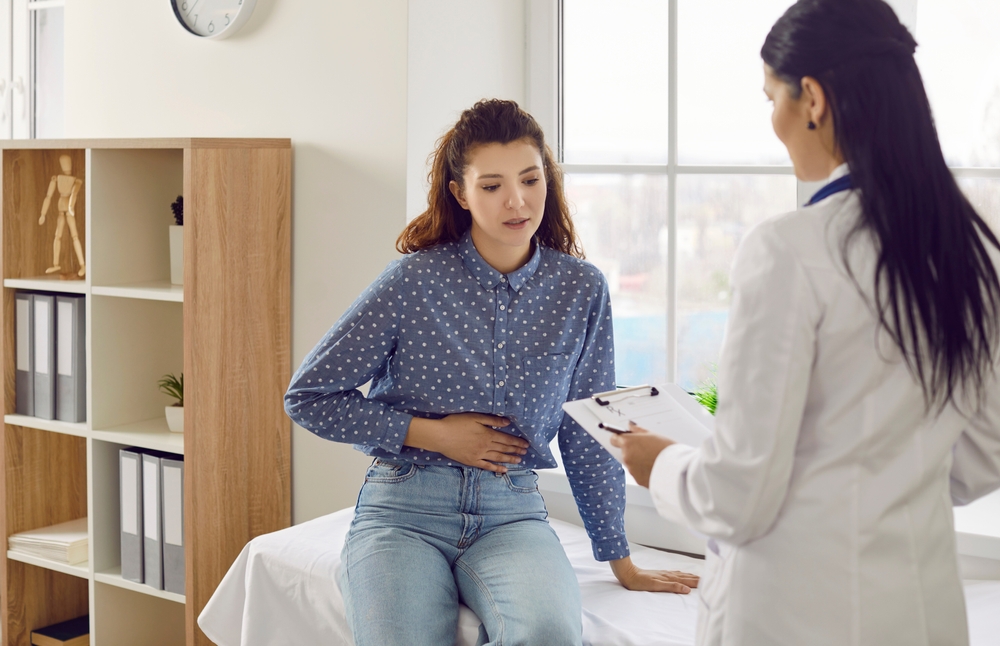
<point x="17" y="65"/>
<point x="544" y="99"/>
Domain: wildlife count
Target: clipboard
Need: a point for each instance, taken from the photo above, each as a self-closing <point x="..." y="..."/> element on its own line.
<point x="666" y="410"/>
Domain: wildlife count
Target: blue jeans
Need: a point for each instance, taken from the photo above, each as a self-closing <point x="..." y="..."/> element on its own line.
<point x="425" y="538"/>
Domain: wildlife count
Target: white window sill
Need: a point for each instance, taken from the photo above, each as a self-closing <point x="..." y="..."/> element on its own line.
<point x="977" y="527"/>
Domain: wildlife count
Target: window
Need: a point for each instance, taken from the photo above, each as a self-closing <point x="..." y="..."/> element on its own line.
<point x="666" y="140"/>
<point x="959" y="58"/>
<point x="47" y="68"/>
<point x="31" y="68"/>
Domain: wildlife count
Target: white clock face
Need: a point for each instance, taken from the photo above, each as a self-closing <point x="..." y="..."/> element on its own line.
<point x="212" y="18"/>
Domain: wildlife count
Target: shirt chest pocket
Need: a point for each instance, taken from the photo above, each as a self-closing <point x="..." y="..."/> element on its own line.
<point x="543" y="387"/>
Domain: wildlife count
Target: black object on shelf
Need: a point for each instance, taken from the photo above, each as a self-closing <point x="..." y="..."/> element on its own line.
<point x="75" y="632"/>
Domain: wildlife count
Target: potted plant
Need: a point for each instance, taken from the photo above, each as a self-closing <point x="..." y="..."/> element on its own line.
<point x="174" y="387"/>
<point x="177" y="242"/>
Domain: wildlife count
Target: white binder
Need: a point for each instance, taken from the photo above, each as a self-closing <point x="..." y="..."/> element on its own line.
<point x="152" y="521"/>
<point x="25" y="355"/>
<point x="172" y="498"/>
<point x="130" y="482"/>
<point x="71" y="358"/>
<point x="45" y="356"/>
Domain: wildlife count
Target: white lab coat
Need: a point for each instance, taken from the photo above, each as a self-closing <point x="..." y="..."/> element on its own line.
<point x="826" y="488"/>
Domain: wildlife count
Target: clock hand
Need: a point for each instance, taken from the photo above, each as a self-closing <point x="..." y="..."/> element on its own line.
<point x="193" y="6"/>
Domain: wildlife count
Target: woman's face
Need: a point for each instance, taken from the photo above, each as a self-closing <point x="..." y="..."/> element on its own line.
<point x="813" y="151"/>
<point x="504" y="190"/>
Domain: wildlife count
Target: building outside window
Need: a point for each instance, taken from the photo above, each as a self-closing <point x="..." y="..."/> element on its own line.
<point x="670" y="158"/>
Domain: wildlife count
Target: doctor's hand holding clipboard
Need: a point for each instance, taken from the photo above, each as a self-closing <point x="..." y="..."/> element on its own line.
<point x="858" y="383"/>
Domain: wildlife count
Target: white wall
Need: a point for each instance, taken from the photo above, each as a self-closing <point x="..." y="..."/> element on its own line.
<point x="459" y="52"/>
<point x="363" y="89"/>
<point x="330" y="75"/>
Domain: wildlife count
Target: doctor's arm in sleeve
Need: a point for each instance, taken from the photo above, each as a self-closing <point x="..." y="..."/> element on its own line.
<point x="323" y="396"/>
<point x="733" y="486"/>
<point x="975" y="468"/>
<point x="596" y="478"/>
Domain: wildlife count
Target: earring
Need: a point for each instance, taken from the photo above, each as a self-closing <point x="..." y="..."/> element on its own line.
<point x="812" y="126"/>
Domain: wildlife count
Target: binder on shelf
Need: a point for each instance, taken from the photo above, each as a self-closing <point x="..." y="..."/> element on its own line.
<point x="75" y="632"/>
<point x="172" y="499"/>
<point x="130" y="468"/>
<point x="71" y="358"/>
<point x="152" y="521"/>
<point x="45" y="356"/>
<point x="24" y="334"/>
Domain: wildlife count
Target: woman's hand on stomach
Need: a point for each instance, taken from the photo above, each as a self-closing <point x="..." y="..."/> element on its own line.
<point x="468" y="438"/>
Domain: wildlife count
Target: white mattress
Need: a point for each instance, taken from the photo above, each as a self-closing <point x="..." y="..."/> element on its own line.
<point x="282" y="590"/>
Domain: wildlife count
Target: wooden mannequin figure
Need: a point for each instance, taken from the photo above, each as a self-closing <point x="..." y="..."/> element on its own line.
<point x="69" y="189"/>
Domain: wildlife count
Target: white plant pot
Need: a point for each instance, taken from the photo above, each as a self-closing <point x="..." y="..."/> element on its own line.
<point x="175" y="417"/>
<point x="176" y="254"/>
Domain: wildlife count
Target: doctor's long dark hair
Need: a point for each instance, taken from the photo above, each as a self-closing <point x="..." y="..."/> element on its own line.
<point x="936" y="290"/>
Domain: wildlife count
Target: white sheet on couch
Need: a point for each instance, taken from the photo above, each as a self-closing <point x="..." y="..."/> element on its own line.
<point x="282" y="590"/>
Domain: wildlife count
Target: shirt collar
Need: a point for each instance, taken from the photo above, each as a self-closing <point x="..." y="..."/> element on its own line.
<point x="487" y="276"/>
<point x="837" y="173"/>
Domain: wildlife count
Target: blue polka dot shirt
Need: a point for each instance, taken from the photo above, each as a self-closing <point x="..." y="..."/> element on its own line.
<point x="443" y="332"/>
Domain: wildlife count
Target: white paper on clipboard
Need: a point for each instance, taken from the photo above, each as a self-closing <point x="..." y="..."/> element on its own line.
<point x="672" y="413"/>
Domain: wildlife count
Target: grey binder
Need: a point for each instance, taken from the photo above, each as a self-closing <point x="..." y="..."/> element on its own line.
<point x="130" y="468"/>
<point x="24" y="340"/>
<point x="71" y="358"/>
<point x="45" y="356"/>
<point x="152" y="521"/>
<point x="172" y="499"/>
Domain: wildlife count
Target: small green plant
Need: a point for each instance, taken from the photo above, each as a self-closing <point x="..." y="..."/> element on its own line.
<point x="173" y="387"/>
<point x="708" y="393"/>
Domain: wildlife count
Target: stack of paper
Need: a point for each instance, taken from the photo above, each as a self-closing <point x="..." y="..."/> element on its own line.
<point x="666" y="410"/>
<point x="65" y="542"/>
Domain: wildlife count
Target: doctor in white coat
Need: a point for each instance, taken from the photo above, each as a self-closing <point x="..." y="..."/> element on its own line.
<point x="858" y="392"/>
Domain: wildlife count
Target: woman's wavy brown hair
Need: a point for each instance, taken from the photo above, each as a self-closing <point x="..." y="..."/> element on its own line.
<point x="487" y="122"/>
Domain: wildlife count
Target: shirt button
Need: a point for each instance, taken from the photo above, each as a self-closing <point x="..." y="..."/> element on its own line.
<point x="502" y="307"/>
<point x="503" y="279"/>
<point x="500" y="383"/>
<point x="500" y="345"/>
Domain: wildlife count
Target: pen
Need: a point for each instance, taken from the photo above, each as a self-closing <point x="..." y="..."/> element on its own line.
<point x="613" y="429"/>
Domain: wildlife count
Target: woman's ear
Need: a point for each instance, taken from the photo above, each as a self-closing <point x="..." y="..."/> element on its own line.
<point x="814" y="100"/>
<point x="456" y="190"/>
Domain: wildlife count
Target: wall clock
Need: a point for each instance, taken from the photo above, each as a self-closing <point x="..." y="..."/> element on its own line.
<point x="213" y="18"/>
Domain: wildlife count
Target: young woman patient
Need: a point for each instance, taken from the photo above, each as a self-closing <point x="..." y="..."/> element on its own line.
<point x="472" y="341"/>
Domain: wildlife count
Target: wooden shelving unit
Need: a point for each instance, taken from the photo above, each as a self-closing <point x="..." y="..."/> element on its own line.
<point x="227" y="328"/>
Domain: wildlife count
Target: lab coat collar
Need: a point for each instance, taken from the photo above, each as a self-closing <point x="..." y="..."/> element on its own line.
<point x="837" y="173"/>
<point x="831" y="186"/>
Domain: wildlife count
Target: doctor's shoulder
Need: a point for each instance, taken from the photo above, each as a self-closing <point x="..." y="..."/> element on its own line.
<point x="811" y="234"/>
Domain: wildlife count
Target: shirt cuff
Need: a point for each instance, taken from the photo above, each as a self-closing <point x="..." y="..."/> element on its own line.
<point x="666" y="481"/>
<point x="397" y="425"/>
<point x="610" y="549"/>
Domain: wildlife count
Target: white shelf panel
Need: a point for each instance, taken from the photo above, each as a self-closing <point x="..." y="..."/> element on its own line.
<point x="67" y="428"/>
<point x="81" y="570"/>
<point x="53" y="283"/>
<point x="160" y="290"/>
<point x="114" y="577"/>
<point x="148" y="434"/>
